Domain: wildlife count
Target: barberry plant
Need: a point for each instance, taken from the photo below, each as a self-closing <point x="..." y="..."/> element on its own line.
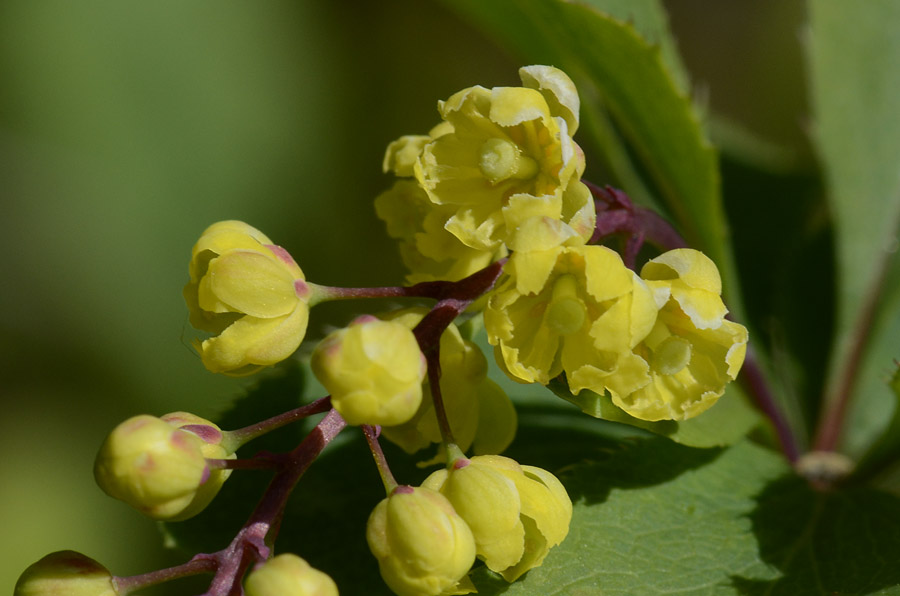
<point x="515" y="261"/>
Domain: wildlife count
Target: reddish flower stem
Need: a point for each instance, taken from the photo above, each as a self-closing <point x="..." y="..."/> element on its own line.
<point x="235" y="438"/>
<point x="199" y="564"/>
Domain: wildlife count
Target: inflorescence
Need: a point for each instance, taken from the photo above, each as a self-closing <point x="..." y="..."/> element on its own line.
<point x="493" y="220"/>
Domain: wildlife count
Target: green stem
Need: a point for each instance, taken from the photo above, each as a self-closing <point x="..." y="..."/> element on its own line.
<point x="384" y="470"/>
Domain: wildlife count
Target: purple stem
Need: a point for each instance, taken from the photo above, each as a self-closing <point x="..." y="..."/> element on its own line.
<point x="249" y="545"/>
<point x="754" y="381"/>
<point x="453" y="299"/>
<point x="831" y="423"/>
<point x="199" y="564"/>
<point x="236" y="438"/>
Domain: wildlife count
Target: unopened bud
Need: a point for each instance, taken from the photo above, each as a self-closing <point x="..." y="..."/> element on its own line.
<point x="65" y="573"/>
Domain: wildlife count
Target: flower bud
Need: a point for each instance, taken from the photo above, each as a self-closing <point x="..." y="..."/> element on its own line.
<point x="480" y="413"/>
<point x="423" y="547"/>
<point x="250" y="294"/>
<point x="516" y="513"/>
<point x="65" y="573"/>
<point x="211" y="448"/>
<point x="154" y="467"/>
<point x="289" y="575"/>
<point x="373" y="370"/>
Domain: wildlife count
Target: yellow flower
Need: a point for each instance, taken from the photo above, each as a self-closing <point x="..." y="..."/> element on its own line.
<point x="428" y="250"/>
<point x="572" y="309"/>
<point x="289" y="575"/>
<point x="500" y="153"/>
<point x="693" y="352"/>
<point x="516" y="513"/>
<point x="423" y="546"/>
<point x="373" y="370"/>
<point x="65" y="572"/>
<point x="249" y="293"/>
<point x="480" y="413"/>
<point x="155" y="467"/>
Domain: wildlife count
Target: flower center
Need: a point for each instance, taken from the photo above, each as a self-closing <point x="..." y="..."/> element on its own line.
<point x="671" y="355"/>
<point x="501" y="160"/>
<point x="566" y="312"/>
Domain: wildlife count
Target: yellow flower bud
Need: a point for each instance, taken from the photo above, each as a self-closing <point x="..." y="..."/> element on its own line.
<point x="250" y="294"/>
<point x="423" y="547"/>
<point x="154" y="467"/>
<point x="480" y="413"/>
<point x="289" y="575"/>
<point x="65" y="573"/>
<point x="693" y="352"/>
<point x="516" y="513"/>
<point x="572" y="309"/>
<point x="373" y="370"/>
<point x="211" y="448"/>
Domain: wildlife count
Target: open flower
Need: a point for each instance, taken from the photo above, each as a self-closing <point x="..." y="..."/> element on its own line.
<point x="516" y="513"/>
<point x="572" y="309"/>
<point x="693" y="352"/>
<point x="508" y="146"/>
<point x="250" y="294"/>
<point x="428" y="250"/>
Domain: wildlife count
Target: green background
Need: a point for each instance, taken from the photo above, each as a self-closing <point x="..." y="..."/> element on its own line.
<point x="127" y="127"/>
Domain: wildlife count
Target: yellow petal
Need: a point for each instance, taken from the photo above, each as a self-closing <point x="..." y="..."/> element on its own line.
<point x="690" y="266"/>
<point x="558" y="90"/>
<point x="251" y="282"/>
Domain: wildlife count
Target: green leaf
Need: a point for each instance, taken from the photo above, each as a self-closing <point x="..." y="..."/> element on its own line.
<point x="726" y="423"/>
<point x="854" y="85"/>
<point x="618" y="70"/>
<point x="650" y="517"/>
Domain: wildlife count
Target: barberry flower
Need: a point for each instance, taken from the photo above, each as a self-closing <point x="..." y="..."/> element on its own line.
<point x="693" y="352"/>
<point x="572" y="309"/>
<point x="250" y="294"/>
<point x="499" y="156"/>
<point x="480" y="413"/>
<point x="156" y="468"/>
<point x="428" y="250"/>
<point x="516" y="513"/>
<point x="289" y="575"/>
<point x="423" y="547"/>
<point x="65" y="573"/>
<point x="373" y="370"/>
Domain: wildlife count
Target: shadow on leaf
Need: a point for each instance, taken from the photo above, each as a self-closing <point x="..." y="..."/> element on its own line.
<point x="846" y="542"/>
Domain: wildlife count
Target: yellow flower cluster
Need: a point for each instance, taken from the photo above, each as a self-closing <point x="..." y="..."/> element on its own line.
<point x="659" y="343"/>
<point x="499" y="159"/>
